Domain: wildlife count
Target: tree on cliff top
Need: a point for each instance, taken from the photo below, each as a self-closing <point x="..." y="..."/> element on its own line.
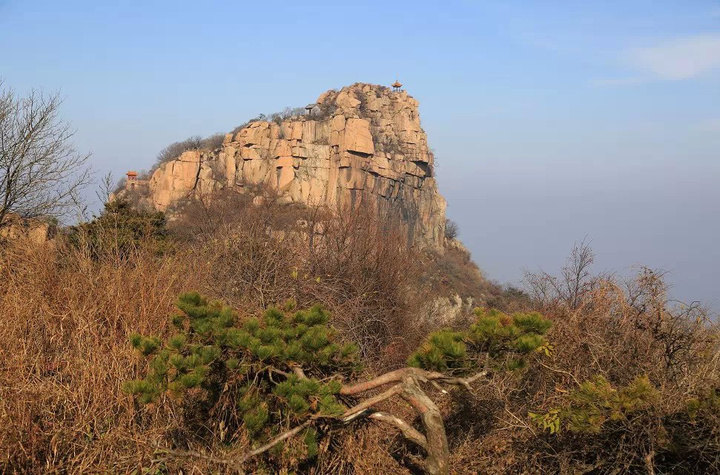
<point x="41" y="174"/>
<point x="286" y="374"/>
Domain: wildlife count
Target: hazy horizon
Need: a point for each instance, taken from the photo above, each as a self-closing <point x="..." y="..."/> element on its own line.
<point x="551" y="123"/>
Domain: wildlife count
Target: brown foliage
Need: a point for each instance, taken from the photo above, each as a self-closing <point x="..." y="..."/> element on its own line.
<point x="68" y="311"/>
<point x="356" y="263"/>
<point x="362" y="268"/>
<point x="63" y="337"/>
<point x="67" y="314"/>
<point x="621" y="331"/>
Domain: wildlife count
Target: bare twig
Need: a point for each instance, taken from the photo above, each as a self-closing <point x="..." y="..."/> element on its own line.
<point x="239" y="461"/>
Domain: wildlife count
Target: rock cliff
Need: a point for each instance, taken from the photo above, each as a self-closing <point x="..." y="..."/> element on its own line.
<point x="363" y="143"/>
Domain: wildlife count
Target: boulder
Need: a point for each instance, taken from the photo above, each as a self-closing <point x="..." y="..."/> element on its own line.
<point x="358" y="137"/>
<point x="346" y="100"/>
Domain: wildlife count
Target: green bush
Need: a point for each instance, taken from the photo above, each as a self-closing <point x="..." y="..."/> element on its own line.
<point x="250" y="364"/>
<point x="263" y="376"/>
<point x="596" y="402"/>
<point x="495" y="339"/>
<point x="119" y="230"/>
<point x="602" y="421"/>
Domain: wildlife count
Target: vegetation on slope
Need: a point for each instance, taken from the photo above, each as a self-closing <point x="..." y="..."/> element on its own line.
<point x="623" y="380"/>
<point x="274" y="377"/>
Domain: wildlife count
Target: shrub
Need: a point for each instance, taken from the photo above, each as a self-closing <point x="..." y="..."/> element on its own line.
<point x="357" y="263"/>
<point x="174" y="150"/>
<point x="246" y="369"/>
<point x="628" y="426"/>
<point x="249" y="370"/>
<point x="504" y="338"/>
<point x="451" y="229"/>
<point x="119" y="230"/>
<point x="627" y="371"/>
<point x="362" y="267"/>
<point x="275" y="376"/>
<point x="596" y="402"/>
<point x="320" y="112"/>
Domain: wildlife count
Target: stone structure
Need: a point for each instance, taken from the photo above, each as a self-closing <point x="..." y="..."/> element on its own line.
<point x="363" y="143"/>
<point x="133" y="183"/>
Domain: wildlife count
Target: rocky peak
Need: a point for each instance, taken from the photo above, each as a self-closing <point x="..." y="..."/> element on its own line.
<point x="363" y="143"/>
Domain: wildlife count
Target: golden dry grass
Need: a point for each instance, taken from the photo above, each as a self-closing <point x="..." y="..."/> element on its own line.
<point x="63" y="340"/>
<point x="65" y="319"/>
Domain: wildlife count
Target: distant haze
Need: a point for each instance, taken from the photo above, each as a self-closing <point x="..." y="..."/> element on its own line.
<point x="551" y="121"/>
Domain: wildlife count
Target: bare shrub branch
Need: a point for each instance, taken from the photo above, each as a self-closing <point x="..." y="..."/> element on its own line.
<point x="573" y="283"/>
<point x="41" y="174"/>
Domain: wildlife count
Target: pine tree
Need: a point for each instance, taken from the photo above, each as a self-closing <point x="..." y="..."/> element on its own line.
<point x="257" y="362"/>
<point x="287" y="373"/>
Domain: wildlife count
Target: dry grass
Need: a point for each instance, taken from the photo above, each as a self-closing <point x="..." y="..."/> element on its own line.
<point x="65" y="354"/>
<point x="620" y="330"/>
<point x="67" y="314"/>
<point x="63" y="337"/>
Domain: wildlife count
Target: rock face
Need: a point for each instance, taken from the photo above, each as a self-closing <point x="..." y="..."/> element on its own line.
<point x="15" y="227"/>
<point x="362" y="144"/>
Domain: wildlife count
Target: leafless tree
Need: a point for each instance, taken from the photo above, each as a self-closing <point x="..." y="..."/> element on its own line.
<point x="174" y="150"/>
<point x="41" y="173"/>
<point x="574" y="280"/>
<point x="451" y="229"/>
<point x="576" y="273"/>
<point x="106" y="188"/>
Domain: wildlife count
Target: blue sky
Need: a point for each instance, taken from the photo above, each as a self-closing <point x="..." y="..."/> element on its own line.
<point x="551" y="121"/>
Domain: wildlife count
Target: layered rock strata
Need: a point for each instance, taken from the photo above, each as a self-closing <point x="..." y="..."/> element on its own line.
<point x="362" y="144"/>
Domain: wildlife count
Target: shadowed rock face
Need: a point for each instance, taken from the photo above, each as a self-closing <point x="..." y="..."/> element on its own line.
<point x="363" y="143"/>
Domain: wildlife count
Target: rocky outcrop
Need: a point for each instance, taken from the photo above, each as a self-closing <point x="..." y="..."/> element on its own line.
<point x="363" y="143"/>
<point x="15" y="227"/>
